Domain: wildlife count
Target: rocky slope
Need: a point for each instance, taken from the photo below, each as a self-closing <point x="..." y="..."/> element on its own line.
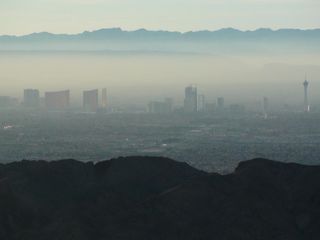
<point x="157" y="198"/>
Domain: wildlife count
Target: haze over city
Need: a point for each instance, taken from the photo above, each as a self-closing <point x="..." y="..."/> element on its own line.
<point x="194" y="119"/>
<point x="254" y="55"/>
<point x="161" y="64"/>
<point x="241" y="68"/>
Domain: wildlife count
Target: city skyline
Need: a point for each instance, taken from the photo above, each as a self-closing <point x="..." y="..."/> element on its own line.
<point x="194" y="102"/>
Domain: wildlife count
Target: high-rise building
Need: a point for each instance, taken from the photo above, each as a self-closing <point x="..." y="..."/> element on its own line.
<point x="104" y="98"/>
<point x="91" y="100"/>
<point x="191" y="99"/>
<point x="31" y="98"/>
<point x="57" y="100"/>
<point x="220" y="103"/>
<point x="306" y="106"/>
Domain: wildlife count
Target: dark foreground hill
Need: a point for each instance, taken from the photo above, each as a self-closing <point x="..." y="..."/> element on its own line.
<point x="157" y="198"/>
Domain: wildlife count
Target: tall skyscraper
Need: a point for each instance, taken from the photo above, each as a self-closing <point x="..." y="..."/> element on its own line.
<point x="306" y="106"/>
<point x="104" y="98"/>
<point x="91" y="100"/>
<point x="31" y="98"/>
<point x="191" y="99"/>
<point x="57" y="100"/>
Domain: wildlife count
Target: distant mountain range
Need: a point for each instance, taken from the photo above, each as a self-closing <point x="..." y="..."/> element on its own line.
<point x="143" y="34"/>
<point x="158" y="198"/>
<point x="116" y="39"/>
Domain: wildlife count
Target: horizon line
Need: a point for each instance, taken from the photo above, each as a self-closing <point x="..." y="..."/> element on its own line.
<point x="159" y="30"/>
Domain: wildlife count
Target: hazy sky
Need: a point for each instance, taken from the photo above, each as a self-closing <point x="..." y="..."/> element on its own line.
<point x="72" y="16"/>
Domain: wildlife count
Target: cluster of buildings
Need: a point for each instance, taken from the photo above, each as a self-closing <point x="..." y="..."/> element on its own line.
<point x="193" y="102"/>
<point x="60" y="100"/>
<point x="196" y="103"/>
